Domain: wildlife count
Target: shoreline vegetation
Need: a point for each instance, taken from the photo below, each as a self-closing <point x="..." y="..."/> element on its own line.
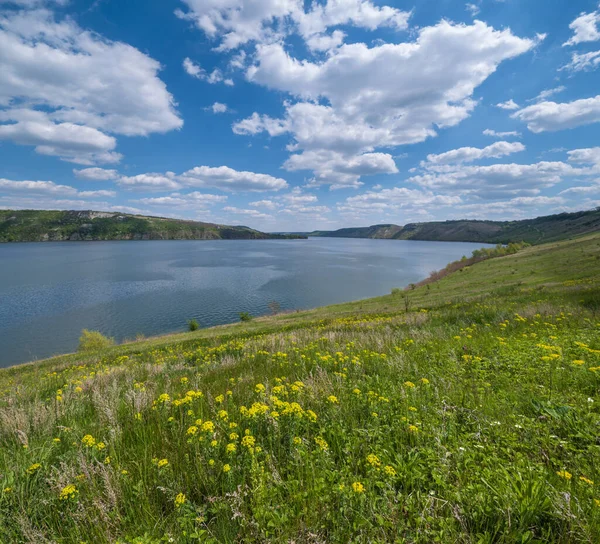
<point x="48" y="225"/>
<point x="464" y="410"/>
<point x="61" y="226"/>
<point x="551" y="228"/>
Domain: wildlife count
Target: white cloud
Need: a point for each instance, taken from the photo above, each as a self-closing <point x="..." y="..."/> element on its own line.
<point x="237" y="22"/>
<point x="150" y="182"/>
<point x="586" y="28"/>
<point x="470" y="154"/>
<point x="394" y="199"/>
<point x="222" y="178"/>
<point x="66" y="88"/>
<point x="582" y="190"/>
<point x="544" y="95"/>
<point x="508" y="105"/>
<point x="195" y="70"/>
<point x="552" y="116"/>
<point x="71" y="142"/>
<point x="96" y="174"/>
<point x="227" y="179"/>
<point x="360" y="98"/>
<point x="339" y="170"/>
<point x="590" y="155"/>
<point x="218" y="107"/>
<point x="190" y="200"/>
<point x="583" y="62"/>
<point x="268" y="204"/>
<point x="494" y="134"/>
<point x="47" y="188"/>
<point x="473" y="9"/>
<point x="497" y="181"/>
<point x="249" y="213"/>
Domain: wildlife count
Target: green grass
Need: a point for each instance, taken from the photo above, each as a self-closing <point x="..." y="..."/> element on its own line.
<point x="472" y="417"/>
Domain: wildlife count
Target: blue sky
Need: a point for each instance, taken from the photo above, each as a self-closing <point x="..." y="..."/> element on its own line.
<point x="292" y="115"/>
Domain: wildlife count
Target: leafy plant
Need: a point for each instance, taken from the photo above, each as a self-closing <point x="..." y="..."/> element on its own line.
<point x="93" y="341"/>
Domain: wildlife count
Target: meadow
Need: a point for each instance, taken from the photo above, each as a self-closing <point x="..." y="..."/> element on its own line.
<point x="461" y="411"/>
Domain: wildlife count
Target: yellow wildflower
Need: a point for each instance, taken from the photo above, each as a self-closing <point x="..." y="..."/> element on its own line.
<point x="409" y="384"/>
<point x="564" y="474"/>
<point x="68" y="492"/>
<point x="163" y="463"/>
<point x="333" y="399"/>
<point x="389" y="470"/>
<point x="357" y="487"/>
<point x="226" y="468"/>
<point x="33" y="468"/>
<point x="180" y="500"/>
<point x="89" y="441"/>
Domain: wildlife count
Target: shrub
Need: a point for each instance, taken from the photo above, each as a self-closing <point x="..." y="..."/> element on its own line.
<point x="193" y="325"/>
<point x="94" y="341"/>
<point x="245" y="316"/>
<point x="396" y="290"/>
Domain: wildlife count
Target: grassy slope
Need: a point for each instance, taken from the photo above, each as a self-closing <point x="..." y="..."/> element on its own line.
<point x="534" y="231"/>
<point x="481" y="453"/>
<point x="44" y="225"/>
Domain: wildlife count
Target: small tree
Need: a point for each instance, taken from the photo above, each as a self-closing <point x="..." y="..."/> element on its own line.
<point x="275" y="307"/>
<point x="94" y="341"/>
<point x="193" y="325"/>
<point x="245" y="316"/>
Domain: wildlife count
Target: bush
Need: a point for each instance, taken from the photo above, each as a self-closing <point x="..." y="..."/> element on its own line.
<point x="245" y="316"/>
<point x="94" y="341"/>
<point x="396" y="290"/>
<point x="193" y="325"/>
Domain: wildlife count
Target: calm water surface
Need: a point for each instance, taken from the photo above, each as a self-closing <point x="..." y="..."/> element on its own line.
<point x="49" y="292"/>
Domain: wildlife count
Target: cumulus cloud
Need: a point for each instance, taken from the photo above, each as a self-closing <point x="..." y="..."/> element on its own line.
<point x="497" y="181"/>
<point x="254" y="214"/>
<point x="586" y="28"/>
<point x="495" y="134"/>
<point x="235" y="22"/>
<point x="47" y="188"/>
<point x="64" y="89"/>
<point x="191" y="200"/>
<point x="551" y="116"/>
<point x="218" y="107"/>
<point x="151" y="182"/>
<point x="228" y="179"/>
<point x="222" y="178"/>
<point x="195" y="70"/>
<point x="267" y="204"/>
<point x="360" y="98"/>
<point x="69" y="141"/>
<point x="394" y="199"/>
<point x="508" y="105"/>
<point x="96" y="174"/>
<point x="339" y="170"/>
<point x="590" y="155"/>
<point x="470" y="154"/>
<point x="583" y="62"/>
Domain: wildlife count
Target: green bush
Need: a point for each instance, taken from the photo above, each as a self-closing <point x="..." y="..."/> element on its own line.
<point x="245" y="316"/>
<point x="193" y="325"/>
<point x="94" y="341"/>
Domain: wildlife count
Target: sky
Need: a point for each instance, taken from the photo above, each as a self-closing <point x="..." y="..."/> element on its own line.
<point x="294" y="115"/>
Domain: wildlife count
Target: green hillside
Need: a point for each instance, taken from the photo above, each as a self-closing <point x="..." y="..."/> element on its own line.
<point x="44" y="226"/>
<point x="463" y="411"/>
<point x="534" y="231"/>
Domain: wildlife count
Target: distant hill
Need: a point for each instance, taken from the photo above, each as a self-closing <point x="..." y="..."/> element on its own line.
<point x="55" y="226"/>
<point x="534" y="231"/>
